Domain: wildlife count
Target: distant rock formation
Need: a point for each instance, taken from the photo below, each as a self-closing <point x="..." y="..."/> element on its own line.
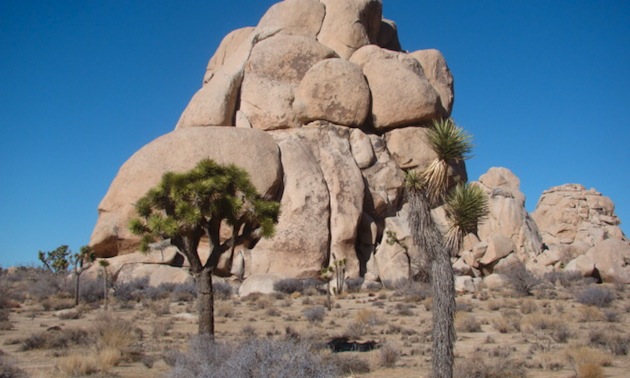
<point x="323" y="108"/>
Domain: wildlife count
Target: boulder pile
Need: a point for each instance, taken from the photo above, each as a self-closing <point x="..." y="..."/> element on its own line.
<point x="326" y="111"/>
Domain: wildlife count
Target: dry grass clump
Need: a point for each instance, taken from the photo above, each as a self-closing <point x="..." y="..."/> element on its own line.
<point x="587" y="362"/>
<point x="467" y="323"/>
<point x="225" y="310"/>
<point x="388" y="355"/>
<point x="315" y="314"/>
<point x="595" y="296"/>
<point x="78" y="364"/>
<point x="480" y="366"/>
<point x="528" y="306"/>
<point x="56" y="338"/>
<point x="115" y="333"/>
<point x="8" y="369"/>
<point x="612" y="340"/>
<point x="510" y="321"/>
<point x="553" y="326"/>
<point x="348" y="364"/>
<point x="161" y="328"/>
<point x="589" y="314"/>
<point x="56" y="303"/>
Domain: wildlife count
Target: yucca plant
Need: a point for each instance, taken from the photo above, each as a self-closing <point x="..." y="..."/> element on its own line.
<point x="452" y="145"/>
<point x="465" y="206"/>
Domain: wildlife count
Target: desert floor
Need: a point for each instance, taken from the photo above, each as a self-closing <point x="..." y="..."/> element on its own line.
<point x="581" y="329"/>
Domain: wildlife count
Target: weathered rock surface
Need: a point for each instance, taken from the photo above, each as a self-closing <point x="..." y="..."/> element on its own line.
<point x="439" y="75"/>
<point x="274" y="71"/>
<point x="350" y="25"/>
<point x="295" y="17"/>
<point x="333" y="90"/>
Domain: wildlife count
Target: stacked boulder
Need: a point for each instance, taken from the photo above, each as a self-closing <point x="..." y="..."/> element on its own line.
<point x="323" y="108"/>
<point x="326" y="112"/>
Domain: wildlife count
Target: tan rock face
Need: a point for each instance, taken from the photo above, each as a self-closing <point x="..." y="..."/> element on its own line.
<point x="146" y="167"/>
<point x="295" y="17"/>
<point x="334" y="90"/>
<point x="400" y="96"/>
<point x="274" y="71"/>
<point x="228" y="47"/>
<point x="303" y="223"/>
<point x="350" y="25"/>
<point x="439" y="75"/>
<point x="611" y="258"/>
<point x="508" y="216"/>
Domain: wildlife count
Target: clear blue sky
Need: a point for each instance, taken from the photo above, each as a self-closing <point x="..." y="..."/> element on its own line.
<point x="542" y="85"/>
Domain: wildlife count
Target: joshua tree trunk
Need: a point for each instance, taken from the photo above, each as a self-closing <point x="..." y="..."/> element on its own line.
<point x="205" y="301"/>
<point x="443" y="315"/>
<point x="428" y="238"/>
<point x="76" y="289"/>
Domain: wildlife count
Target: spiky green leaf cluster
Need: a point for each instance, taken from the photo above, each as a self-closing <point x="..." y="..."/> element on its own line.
<point x="190" y="203"/>
<point x="449" y="141"/>
<point x="466" y="205"/>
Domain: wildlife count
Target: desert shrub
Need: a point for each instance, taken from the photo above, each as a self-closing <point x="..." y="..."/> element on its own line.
<point x="161" y="328"/>
<point x="403" y="309"/>
<point x="184" y="292"/>
<point x="463" y="306"/>
<point x="131" y="291"/>
<point x="91" y="290"/>
<point x="519" y="278"/>
<point x="595" y="296"/>
<point x="467" y="323"/>
<point x="8" y="369"/>
<point x="252" y="358"/>
<point x="589" y="314"/>
<point x="388" y="355"/>
<point x="160" y="307"/>
<point x="113" y="332"/>
<point x="411" y="291"/>
<point x="225" y="310"/>
<point x="587" y="362"/>
<point x="55" y="303"/>
<point x="554" y="327"/>
<point x="614" y="341"/>
<point x="356" y="330"/>
<point x="222" y="290"/>
<point x="42" y="283"/>
<point x="528" y="306"/>
<point x="565" y="278"/>
<point x="354" y="284"/>
<point x="70" y="314"/>
<point x="611" y="316"/>
<point x="289" y="286"/>
<point x="156" y="293"/>
<point x="349" y="365"/>
<point x="56" y="338"/>
<point x="368" y="317"/>
<point x="479" y="366"/>
<point x="315" y="314"/>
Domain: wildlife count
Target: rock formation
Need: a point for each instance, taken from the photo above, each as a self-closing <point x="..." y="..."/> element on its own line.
<point x="323" y="108"/>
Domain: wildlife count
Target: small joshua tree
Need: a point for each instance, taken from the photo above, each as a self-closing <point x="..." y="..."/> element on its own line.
<point x="56" y="260"/>
<point x="104" y="264"/>
<point x="81" y="261"/>
<point x="185" y="207"/>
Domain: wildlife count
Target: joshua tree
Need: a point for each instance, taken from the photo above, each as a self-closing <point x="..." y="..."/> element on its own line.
<point x="104" y="264"/>
<point x="185" y="207"/>
<point x="56" y="260"/>
<point x="80" y="261"/>
<point x="466" y="205"/>
<point x="424" y="190"/>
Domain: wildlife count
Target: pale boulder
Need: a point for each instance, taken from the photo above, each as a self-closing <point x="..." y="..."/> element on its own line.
<point x="330" y="146"/>
<point x="349" y="25"/>
<point x="362" y="150"/>
<point x="145" y="168"/>
<point x="156" y="274"/>
<point x="439" y="75"/>
<point x="583" y="264"/>
<point x="215" y="103"/>
<point x="464" y="285"/>
<point x="612" y="260"/>
<point x="392" y="257"/>
<point x="494" y="281"/>
<point x="400" y="96"/>
<point x="507" y="215"/>
<point x="499" y="246"/>
<point x="301" y="242"/>
<point x="295" y="17"/>
<point x="333" y="90"/>
<point x="274" y="71"/>
<point x="228" y="46"/>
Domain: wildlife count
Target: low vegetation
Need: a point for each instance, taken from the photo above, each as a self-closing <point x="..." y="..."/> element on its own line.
<point x="581" y="330"/>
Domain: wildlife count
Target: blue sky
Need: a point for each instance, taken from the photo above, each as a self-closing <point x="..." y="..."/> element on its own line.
<point x="542" y="85"/>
